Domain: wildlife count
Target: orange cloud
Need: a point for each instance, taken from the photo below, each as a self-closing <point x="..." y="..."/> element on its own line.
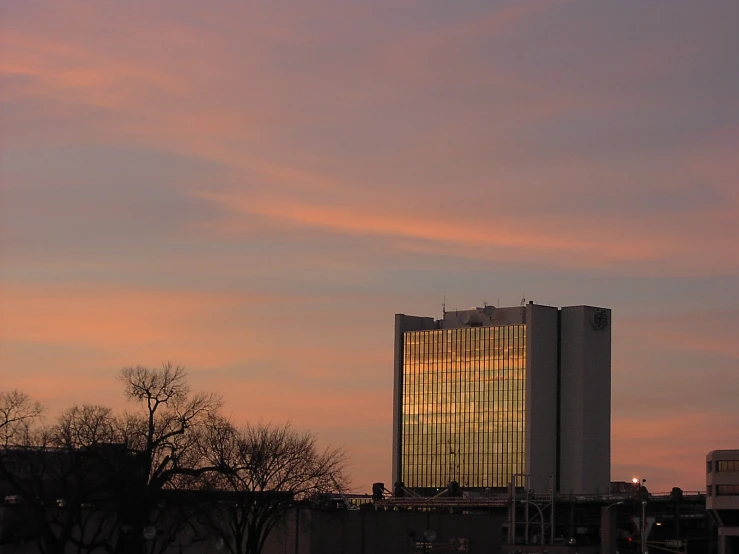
<point x="314" y="137"/>
<point x="132" y="324"/>
<point x="520" y="240"/>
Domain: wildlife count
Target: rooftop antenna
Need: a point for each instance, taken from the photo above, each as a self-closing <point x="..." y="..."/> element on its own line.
<point x="443" y="306"/>
<point x="523" y="308"/>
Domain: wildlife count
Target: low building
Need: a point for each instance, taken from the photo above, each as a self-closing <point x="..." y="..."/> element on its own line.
<point x="722" y="496"/>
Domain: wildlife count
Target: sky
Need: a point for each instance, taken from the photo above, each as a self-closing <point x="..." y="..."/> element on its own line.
<point x="254" y="189"/>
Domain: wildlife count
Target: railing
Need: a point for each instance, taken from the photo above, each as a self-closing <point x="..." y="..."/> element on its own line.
<point x="445" y="502"/>
<point x="503" y="499"/>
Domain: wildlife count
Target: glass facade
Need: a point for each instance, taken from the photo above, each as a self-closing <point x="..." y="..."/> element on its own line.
<point x="463" y="406"/>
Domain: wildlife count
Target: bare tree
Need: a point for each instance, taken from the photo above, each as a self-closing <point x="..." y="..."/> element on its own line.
<point x="164" y="436"/>
<point x="100" y="469"/>
<point x="94" y="480"/>
<point x="86" y="427"/>
<point x="265" y="470"/>
<point x="65" y="477"/>
<point x="17" y="413"/>
<point x="41" y="479"/>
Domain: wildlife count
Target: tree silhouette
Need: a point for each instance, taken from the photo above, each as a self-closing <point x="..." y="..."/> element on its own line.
<point x="96" y="480"/>
<point x="163" y="435"/>
<point x="17" y="413"/>
<point x="265" y="470"/>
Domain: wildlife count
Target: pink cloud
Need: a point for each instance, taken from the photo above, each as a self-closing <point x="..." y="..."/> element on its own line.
<point x="410" y="142"/>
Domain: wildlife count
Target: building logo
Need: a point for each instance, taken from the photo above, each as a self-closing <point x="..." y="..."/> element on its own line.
<point x="599" y="320"/>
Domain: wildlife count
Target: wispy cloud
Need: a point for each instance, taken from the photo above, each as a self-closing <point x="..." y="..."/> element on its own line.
<point x="254" y="190"/>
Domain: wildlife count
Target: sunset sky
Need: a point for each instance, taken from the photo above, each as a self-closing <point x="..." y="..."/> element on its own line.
<point x="253" y="189"/>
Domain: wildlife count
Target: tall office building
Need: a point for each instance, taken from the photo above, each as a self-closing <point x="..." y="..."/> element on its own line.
<point x="486" y="394"/>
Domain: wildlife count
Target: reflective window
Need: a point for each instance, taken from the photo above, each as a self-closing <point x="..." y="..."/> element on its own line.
<point x="727" y="490"/>
<point x="463" y="406"/>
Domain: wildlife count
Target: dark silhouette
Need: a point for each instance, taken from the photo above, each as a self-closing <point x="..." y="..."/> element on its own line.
<point x="17" y="413"/>
<point x="164" y="436"/>
<point x="172" y="470"/>
<point x="266" y="469"/>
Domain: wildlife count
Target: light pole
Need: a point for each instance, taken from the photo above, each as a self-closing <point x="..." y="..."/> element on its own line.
<point x="603" y="515"/>
<point x="602" y="519"/>
<point x="643" y="526"/>
<point x="640" y="483"/>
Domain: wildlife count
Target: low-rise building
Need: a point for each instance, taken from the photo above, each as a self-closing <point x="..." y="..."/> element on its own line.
<point x="722" y="496"/>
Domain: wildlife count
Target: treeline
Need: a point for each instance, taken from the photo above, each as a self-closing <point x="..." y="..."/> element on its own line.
<point x="173" y="470"/>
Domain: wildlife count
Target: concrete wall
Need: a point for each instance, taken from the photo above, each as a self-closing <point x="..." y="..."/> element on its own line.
<point x="541" y="395"/>
<point x="306" y="531"/>
<point x="585" y="401"/>
<point x="370" y="532"/>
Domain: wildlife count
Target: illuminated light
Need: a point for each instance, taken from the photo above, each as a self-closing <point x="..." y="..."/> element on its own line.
<point x="635" y="480"/>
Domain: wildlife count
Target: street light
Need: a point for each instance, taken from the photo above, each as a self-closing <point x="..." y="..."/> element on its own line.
<point x="640" y="484"/>
<point x="603" y="515"/>
<point x="602" y="519"/>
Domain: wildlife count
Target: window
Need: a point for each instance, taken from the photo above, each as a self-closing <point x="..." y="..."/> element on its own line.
<point x="727" y="490"/>
<point x="727" y="465"/>
<point x="464" y="406"/>
<point x="709" y="490"/>
<point x="709" y="463"/>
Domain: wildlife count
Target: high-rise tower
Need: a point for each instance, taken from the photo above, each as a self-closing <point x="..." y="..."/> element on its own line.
<point x="484" y="394"/>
